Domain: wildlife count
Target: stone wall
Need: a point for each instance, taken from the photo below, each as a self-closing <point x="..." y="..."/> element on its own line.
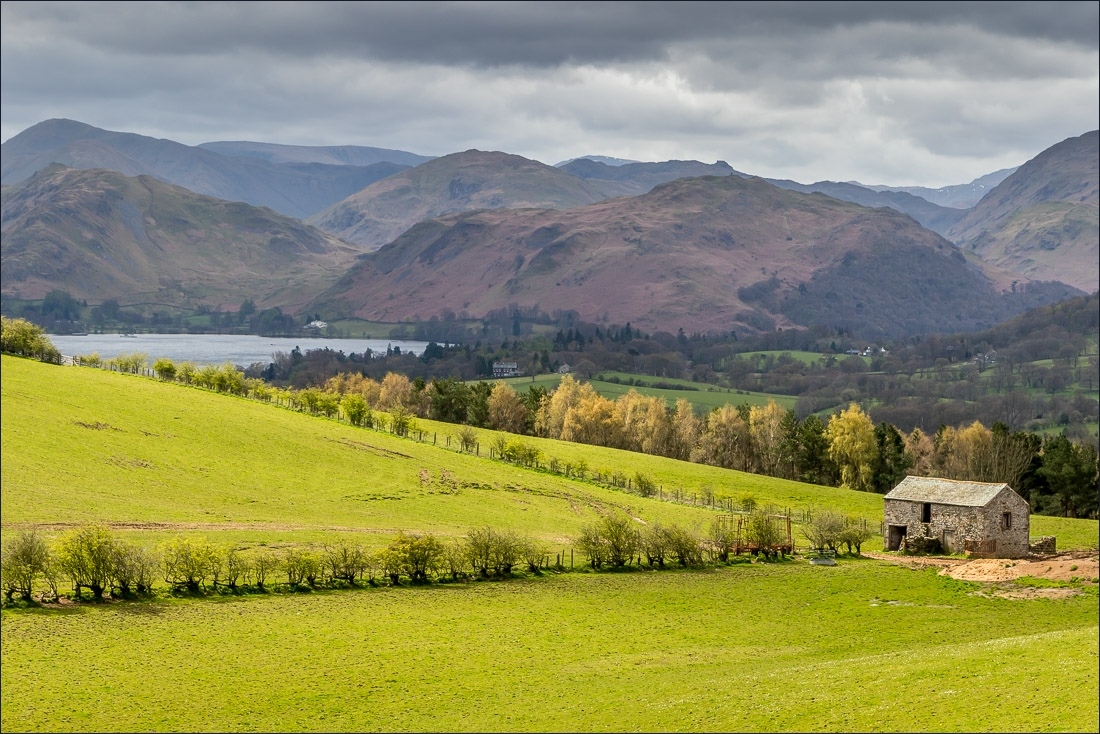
<point x="1044" y="545"/>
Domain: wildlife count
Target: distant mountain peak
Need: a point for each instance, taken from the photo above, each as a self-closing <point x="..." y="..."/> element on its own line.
<point x="605" y="159"/>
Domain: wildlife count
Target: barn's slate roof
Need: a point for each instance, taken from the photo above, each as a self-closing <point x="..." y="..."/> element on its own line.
<point x="945" y="491"/>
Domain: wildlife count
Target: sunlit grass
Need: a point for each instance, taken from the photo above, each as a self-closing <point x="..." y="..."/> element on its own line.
<point x="779" y="647"/>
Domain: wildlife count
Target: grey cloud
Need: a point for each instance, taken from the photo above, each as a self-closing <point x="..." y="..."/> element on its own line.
<point x="942" y="92"/>
<point x="517" y="33"/>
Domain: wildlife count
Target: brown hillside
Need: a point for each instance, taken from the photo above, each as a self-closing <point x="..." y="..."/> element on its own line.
<point x="702" y="254"/>
<point x="99" y="234"/>
<point x="294" y="189"/>
<point x="459" y="182"/>
<point x="1042" y="220"/>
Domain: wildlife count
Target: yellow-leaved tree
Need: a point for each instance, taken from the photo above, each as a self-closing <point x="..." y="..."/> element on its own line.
<point x="851" y="437"/>
<point x="506" y="409"/>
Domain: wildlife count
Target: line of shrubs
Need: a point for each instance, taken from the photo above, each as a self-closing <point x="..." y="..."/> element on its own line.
<point x="91" y="559"/>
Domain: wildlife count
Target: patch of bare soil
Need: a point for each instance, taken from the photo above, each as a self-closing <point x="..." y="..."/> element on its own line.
<point x="915" y="561"/>
<point x="999" y="573"/>
<point x="1082" y="565"/>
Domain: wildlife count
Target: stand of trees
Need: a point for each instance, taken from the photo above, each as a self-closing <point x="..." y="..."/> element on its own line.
<point x="26" y="339"/>
<point x="96" y="564"/>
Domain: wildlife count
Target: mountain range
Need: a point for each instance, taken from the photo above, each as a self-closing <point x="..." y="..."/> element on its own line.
<point x="691" y="253"/>
<point x="99" y="234"/>
<point x="297" y="189"/>
<point x="1042" y="220"/>
<point x="385" y="234"/>
<point x="959" y="196"/>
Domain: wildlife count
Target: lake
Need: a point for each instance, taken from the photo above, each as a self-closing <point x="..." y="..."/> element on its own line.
<point x="217" y="348"/>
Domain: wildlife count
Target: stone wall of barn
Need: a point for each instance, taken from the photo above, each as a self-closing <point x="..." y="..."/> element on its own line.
<point x="953" y="525"/>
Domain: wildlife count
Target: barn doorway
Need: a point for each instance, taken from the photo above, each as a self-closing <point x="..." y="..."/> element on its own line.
<point x="948" y="541"/>
<point x="894" y="536"/>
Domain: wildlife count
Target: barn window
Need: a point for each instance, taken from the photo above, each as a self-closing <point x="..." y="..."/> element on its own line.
<point x="926" y="512"/>
<point x="1006" y="521"/>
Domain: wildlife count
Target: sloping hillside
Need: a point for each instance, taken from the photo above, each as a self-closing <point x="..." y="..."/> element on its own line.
<point x="458" y="182"/>
<point x="957" y="196"/>
<point x="99" y="234"/>
<point x="937" y="218"/>
<point x="632" y="179"/>
<point x="333" y="155"/>
<point x="702" y="254"/>
<point x="1042" y="220"/>
<point x="295" y="189"/>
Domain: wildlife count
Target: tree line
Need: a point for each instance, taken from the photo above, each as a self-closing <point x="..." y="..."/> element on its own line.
<point x="26" y="339"/>
<point x="96" y="564"/>
<point x="999" y="375"/>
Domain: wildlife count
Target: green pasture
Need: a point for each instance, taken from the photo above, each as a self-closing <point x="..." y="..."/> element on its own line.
<point x="863" y="646"/>
<point x="784" y="646"/>
<point x="156" y="458"/>
<point x="703" y="400"/>
<point x="800" y="356"/>
<point x="84" y="445"/>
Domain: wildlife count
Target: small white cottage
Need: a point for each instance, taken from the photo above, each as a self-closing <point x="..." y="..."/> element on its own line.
<point x="983" y="519"/>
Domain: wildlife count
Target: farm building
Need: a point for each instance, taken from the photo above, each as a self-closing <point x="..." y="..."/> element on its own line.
<point x="980" y="518"/>
<point x="506" y="369"/>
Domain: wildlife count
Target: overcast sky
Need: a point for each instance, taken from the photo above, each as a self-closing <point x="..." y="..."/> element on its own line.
<point x="903" y="93"/>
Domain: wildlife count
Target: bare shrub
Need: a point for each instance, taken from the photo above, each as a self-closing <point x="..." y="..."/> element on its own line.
<point x="344" y="561"/>
<point x="824" y="530"/>
<point x="721" y="540"/>
<point x="264" y="563"/>
<point x="133" y="569"/>
<point x="467" y="439"/>
<point x="592" y="544"/>
<point x="684" y="545"/>
<point x="620" y="538"/>
<point x="534" y="553"/>
<point x="855" y="533"/>
<point x="655" y="545"/>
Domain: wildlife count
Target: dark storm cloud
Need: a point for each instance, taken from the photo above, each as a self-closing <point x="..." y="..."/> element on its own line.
<point x="532" y="34"/>
<point x="924" y="92"/>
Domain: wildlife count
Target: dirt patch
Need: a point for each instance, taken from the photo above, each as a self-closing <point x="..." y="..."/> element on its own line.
<point x="1083" y="566"/>
<point x="1065" y="566"/>
<point x="916" y="561"/>
<point x="97" y="426"/>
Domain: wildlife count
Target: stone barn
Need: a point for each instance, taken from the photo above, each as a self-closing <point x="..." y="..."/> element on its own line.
<point x="988" y="520"/>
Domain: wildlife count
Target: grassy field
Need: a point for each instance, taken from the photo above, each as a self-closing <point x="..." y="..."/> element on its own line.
<point x="704" y="399"/>
<point x="788" y="646"/>
<point x="88" y="445"/>
<point x="863" y="646"/>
